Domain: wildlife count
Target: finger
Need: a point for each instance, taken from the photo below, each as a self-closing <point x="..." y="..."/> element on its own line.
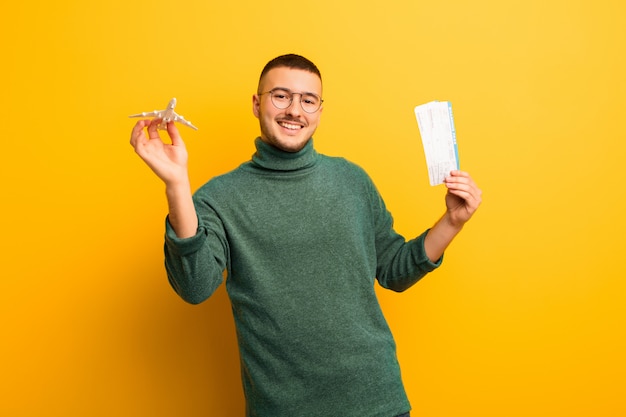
<point x="172" y="131"/>
<point x="457" y="174"/>
<point x="153" y="132"/>
<point x="458" y="178"/>
<point x="463" y="184"/>
<point x="138" y="132"/>
<point x="470" y="194"/>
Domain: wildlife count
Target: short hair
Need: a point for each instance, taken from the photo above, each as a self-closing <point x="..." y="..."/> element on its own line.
<point x="291" y="61"/>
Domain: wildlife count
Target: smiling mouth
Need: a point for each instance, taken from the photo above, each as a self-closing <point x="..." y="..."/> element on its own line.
<point x="290" y="126"/>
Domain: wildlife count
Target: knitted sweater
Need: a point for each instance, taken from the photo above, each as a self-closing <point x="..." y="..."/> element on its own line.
<point x="303" y="238"/>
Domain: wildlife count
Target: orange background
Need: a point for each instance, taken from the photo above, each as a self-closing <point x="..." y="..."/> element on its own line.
<point x="525" y="318"/>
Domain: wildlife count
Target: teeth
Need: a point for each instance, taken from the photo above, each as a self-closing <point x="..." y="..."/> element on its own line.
<point x="290" y="126"/>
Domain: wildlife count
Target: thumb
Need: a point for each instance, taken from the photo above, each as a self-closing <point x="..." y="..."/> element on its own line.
<point x="174" y="135"/>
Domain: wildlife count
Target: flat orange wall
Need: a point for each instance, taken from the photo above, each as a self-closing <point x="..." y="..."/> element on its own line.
<point x="525" y="318"/>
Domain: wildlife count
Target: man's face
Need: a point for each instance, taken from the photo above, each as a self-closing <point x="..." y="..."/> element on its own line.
<point x="291" y="128"/>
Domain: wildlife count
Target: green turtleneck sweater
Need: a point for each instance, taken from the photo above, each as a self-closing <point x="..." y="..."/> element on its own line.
<point x="303" y="237"/>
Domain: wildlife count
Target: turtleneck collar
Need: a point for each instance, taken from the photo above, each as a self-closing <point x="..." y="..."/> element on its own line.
<point x="269" y="157"/>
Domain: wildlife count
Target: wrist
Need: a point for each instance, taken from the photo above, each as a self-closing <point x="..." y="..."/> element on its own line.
<point x="440" y="236"/>
<point x="177" y="187"/>
<point x="450" y="223"/>
<point x="182" y="215"/>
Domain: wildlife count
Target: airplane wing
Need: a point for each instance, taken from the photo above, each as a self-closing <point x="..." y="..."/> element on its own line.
<point x="180" y="119"/>
<point x="157" y="114"/>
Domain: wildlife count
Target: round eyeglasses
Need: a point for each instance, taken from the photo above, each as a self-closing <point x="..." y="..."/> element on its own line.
<point x="283" y="97"/>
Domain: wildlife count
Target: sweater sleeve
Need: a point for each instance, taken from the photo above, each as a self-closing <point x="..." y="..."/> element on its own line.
<point x="195" y="265"/>
<point x="400" y="264"/>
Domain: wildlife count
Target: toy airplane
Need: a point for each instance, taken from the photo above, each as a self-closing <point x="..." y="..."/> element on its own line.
<point x="167" y="115"/>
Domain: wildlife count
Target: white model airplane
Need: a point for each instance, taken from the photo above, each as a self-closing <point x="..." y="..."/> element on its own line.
<point x="167" y="115"/>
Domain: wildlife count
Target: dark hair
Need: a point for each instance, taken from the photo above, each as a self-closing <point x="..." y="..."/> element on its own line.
<point x="290" y="61"/>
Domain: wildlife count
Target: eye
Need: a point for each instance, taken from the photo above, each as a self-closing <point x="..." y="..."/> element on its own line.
<point x="310" y="99"/>
<point x="280" y="94"/>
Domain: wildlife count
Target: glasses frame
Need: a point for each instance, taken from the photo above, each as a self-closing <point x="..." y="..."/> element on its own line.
<point x="292" y="94"/>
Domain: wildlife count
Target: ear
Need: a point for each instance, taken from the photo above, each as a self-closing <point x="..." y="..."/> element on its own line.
<point x="256" y="103"/>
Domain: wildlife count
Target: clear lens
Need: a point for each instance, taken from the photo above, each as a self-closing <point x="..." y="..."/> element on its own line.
<point x="310" y="102"/>
<point x="282" y="98"/>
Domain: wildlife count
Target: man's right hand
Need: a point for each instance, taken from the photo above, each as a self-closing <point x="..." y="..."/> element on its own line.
<point x="168" y="161"/>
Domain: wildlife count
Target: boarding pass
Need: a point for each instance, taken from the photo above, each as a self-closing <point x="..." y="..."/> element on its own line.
<point x="436" y="126"/>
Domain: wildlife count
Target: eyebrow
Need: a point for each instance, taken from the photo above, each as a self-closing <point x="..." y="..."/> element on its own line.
<point x="298" y="92"/>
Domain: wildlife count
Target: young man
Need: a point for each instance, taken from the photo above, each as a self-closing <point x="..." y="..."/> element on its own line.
<point x="303" y="237"/>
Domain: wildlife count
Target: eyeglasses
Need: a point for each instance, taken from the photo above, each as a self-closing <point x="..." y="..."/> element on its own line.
<point x="282" y="99"/>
